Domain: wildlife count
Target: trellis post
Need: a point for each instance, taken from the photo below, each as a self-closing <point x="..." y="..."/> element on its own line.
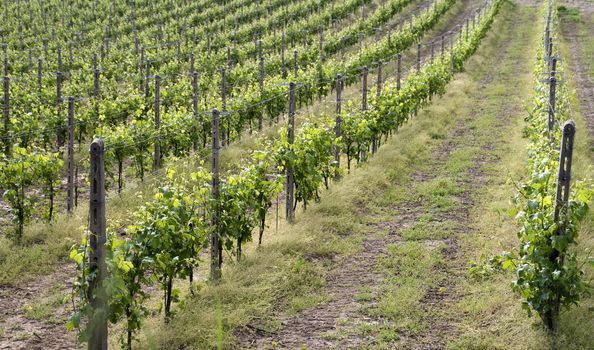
<point x="97" y="240"/>
<point x="290" y="214"/>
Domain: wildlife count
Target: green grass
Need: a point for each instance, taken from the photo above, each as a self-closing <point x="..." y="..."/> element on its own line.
<point x="569" y="14"/>
<point x="439" y="193"/>
<point x="38" y="311"/>
<point x="428" y="230"/>
<point x="45" y="307"/>
<point x="365" y="294"/>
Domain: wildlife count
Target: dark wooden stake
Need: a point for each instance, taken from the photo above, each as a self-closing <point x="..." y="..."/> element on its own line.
<point x="195" y="105"/>
<point x="552" y="88"/>
<point x="157" y="152"/>
<point x="338" y="122"/>
<point x="379" y="78"/>
<point x="140" y="70"/>
<point x="398" y="71"/>
<point x="261" y="84"/>
<point x="70" y="198"/>
<point x="147" y="72"/>
<point x="97" y="240"/>
<point x="283" y="53"/>
<point x="561" y="206"/>
<point x="224" y="104"/>
<point x="6" y="112"/>
<point x="290" y="213"/>
<point x="215" y="261"/>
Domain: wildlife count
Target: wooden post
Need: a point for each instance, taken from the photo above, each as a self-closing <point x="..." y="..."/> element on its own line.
<point x="561" y="204"/>
<point x="136" y="43"/>
<point x="70" y="198"/>
<point x="379" y="78"/>
<point x="546" y="41"/>
<point x="6" y="112"/>
<point x="58" y="90"/>
<point x="338" y="122"/>
<point x="147" y="72"/>
<point x="398" y="71"/>
<point x="6" y="62"/>
<point x="61" y="130"/>
<point x="76" y="185"/>
<point x="45" y="53"/>
<point x="224" y="104"/>
<point x="550" y="54"/>
<point x="564" y="173"/>
<point x="59" y="59"/>
<point x="442" y="46"/>
<point x="195" y="104"/>
<point x="290" y="214"/>
<point x="97" y="239"/>
<point x="140" y="68"/>
<point x="215" y="262"/>
<point x="157" y="152"/>
<point x="283" y="53"/>
<point x="552" y="88"/>
<point x="432" y="51"/>
<point x="229" y="62"/>
<point x="261" y="84"/>
<point x="364" y="90"/>
<point x="70" y="58"/>
<point x="96" y="84"/>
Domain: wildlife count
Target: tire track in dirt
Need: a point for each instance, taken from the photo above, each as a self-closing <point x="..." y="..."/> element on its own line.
<point x="579" y="63"/>
<point x="441" y="324"/>
<point x="311" y="327"/>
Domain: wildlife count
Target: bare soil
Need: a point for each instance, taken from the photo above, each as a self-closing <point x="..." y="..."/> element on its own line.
<point x="33" y="316"/>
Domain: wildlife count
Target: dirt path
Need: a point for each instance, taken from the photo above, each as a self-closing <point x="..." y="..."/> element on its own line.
<point x="356" y="316"/>
<point x="580" y="37"/>
<point x="33" y="316"/>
